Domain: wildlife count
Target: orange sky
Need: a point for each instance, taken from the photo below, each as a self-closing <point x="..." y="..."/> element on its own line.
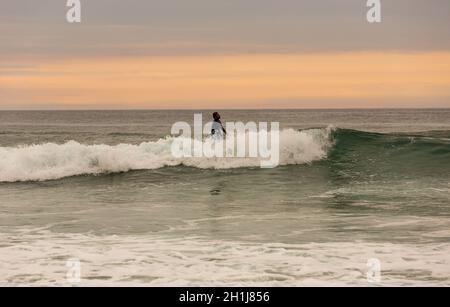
<point x="248" y="81"/>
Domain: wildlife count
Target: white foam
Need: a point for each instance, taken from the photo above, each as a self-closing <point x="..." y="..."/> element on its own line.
<point x="54" y="161"/>
<point x="195" y="261"/>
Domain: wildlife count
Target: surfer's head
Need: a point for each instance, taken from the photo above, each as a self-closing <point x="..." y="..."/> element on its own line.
<point x="216" y="116"/>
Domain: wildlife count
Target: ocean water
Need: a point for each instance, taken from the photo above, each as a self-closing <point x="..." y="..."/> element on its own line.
<point x="103" y="188"/>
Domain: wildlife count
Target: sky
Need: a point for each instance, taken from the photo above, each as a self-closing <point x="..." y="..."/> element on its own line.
<point x="181" y="54"/>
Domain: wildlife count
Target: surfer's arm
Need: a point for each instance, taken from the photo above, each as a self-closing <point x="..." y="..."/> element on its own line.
<point x="221" y="125"/>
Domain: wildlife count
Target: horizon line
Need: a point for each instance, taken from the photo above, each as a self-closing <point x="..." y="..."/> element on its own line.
<point x="230" y="109"/>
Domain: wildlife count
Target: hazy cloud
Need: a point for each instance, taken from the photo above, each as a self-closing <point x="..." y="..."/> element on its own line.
<point x="116" y="27"/>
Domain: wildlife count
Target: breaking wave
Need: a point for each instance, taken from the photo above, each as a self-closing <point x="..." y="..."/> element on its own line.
<point x="52" y="161"/>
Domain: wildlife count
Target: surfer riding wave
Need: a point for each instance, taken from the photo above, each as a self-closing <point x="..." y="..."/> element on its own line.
<point x="217" y="130"/>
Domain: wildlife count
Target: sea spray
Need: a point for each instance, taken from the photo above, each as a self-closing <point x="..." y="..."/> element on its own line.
<point x="55" y="161"/>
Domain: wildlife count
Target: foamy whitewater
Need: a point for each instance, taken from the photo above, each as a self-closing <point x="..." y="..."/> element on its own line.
<point x="53" y="161"/>
<point x="204" y="263"/>
<point x="103" y="188"/>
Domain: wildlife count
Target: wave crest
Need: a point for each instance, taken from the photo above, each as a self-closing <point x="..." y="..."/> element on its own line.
<point x="55" y="161"/>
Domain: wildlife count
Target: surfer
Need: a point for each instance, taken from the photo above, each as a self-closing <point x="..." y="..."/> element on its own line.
<point x="217" y="128"/>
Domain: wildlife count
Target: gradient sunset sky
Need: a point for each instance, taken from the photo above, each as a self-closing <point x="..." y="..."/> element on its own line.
<point x="219" y="54"/>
